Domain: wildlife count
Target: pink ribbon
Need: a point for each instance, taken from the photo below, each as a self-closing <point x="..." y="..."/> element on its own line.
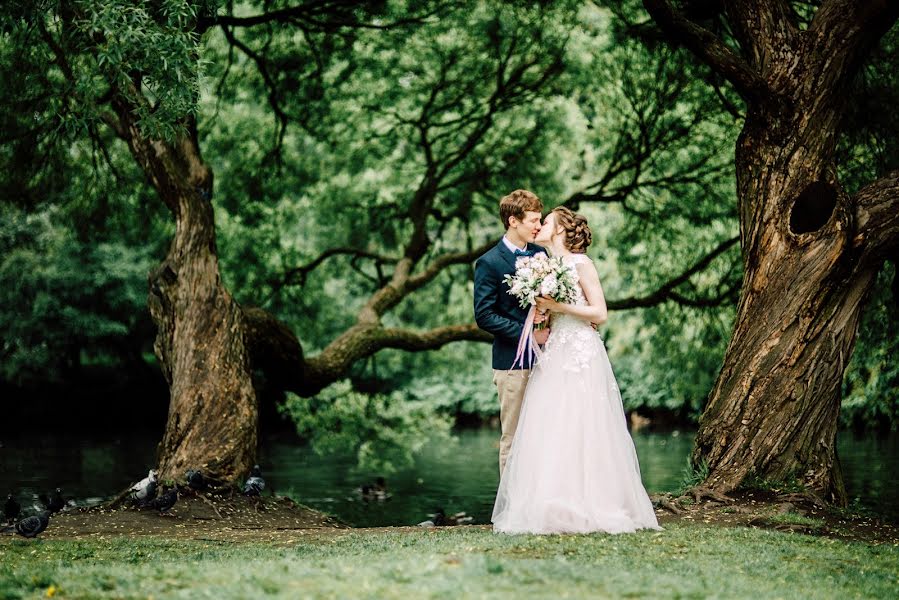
<point x="526" y="341"/>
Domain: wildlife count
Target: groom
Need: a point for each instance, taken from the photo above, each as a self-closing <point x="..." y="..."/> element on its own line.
<point x="498" y="312"/>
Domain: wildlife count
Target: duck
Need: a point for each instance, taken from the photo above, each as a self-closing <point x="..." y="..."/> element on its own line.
<point x="376" y="491"/>
<point x="638" y="421"/>
<point x="440" y="519"/>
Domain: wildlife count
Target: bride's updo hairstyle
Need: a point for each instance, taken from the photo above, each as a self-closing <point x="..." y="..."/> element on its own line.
<point x="577" y="234"/>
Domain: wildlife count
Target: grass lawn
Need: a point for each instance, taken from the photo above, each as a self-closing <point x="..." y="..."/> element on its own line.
<point x="684" y="561"/>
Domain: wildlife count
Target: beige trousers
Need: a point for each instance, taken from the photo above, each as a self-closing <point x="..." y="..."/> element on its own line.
<point x="510" y="386"/>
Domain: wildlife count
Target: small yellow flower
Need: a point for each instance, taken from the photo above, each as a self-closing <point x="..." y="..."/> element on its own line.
<point x="51" y="591"/>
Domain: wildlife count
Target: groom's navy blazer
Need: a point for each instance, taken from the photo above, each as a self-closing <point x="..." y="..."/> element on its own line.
<point x="495" y="309"/>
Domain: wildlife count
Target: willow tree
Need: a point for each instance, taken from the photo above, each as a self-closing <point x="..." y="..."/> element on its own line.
<point x="810" y="248"/>
<point x="454" y="93"/>
<point x="133" y="68"/>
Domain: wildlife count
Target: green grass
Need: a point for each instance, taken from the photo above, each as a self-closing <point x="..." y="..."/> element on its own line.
<point x="684" y="561"/>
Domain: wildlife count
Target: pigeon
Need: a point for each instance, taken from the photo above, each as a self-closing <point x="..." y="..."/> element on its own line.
<point x="30" y="527"/>
<point x="144" y="490"/>
<point x="54" y="503"/>
<point x="255" y="483"/>
<point x="165" y="501"/>
<point x="11" y="509"/>
<point x="195" y="480"/>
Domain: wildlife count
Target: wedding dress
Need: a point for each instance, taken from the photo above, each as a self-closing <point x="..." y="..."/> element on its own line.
<point x="572" y="467"/>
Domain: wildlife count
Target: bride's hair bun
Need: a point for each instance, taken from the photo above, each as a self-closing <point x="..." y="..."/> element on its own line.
<point x="577" y="233"/>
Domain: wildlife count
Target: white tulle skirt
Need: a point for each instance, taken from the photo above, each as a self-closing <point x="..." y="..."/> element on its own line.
<point x="572" y="467"/>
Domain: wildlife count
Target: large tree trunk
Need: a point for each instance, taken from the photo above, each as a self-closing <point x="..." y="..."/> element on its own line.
<point x="212" y="421"/>
<point x="810" y="252"/>
<point x="200" y="341"/>
<point x="774" y="409"/>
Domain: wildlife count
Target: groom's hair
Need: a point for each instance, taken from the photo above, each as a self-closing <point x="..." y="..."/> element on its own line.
<point x="516" y="204"/>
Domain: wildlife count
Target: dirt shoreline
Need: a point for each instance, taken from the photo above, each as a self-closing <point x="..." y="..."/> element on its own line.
<point x="233" y="518"/>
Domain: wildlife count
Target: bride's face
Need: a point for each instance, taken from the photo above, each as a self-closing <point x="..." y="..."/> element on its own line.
<point x="545" y="235"/>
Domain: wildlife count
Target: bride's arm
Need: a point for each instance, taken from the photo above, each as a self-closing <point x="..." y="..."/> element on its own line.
<point x="595" y="311"/>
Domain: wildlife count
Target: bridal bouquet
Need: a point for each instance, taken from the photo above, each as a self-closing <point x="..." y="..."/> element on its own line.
<point x="539" y="275"/>
<point x="542" y="275"/>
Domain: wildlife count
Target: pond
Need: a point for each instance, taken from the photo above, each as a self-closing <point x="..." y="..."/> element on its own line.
<point x="460" y="476"/>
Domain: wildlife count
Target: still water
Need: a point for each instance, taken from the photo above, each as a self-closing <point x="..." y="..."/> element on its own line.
<point x="460" y="476"/>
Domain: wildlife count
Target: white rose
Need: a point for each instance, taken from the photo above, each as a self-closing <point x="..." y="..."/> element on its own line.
<point x="549" y="285"/>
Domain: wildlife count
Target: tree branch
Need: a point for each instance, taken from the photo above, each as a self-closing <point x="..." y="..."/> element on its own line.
<point x="848" y="29"/>
<point x="406" y="339"/>
<point x="444" y="261"/>
<point x="709" y="48"/>
<point x="401" y="286"/>
<point x="270" y="85"/>
<point x="298" y="275"/>
<point x="877" y="218"/>
<point x="667" y="290"/>
<point x="364" y="340"/>
<point x="764" y="28"/>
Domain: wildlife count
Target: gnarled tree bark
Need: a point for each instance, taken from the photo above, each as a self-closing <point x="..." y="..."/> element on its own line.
<point x="200" y="339"/>
<point x="810" y="251"/>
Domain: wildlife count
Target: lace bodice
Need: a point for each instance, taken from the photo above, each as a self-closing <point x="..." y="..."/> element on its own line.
<point x="573" y="341"/>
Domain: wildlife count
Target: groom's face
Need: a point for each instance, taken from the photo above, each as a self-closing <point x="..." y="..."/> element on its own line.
<point x="528" y="227"/>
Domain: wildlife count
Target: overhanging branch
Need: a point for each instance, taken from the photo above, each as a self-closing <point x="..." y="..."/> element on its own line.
<point x="709" y="48"/>
<point x="667" y="290"/>
<point x="298" y="275"/>
<point x="877" y="218"/>
<point x="362" y="340"/>
<point x="848" y="29"/>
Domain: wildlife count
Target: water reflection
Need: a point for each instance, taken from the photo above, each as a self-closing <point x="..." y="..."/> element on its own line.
<point x="460" y="476"/>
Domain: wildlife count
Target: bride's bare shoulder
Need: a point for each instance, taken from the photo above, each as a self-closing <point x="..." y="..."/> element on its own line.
<point x="585" y="266"/>
<point x="580" y="260"/>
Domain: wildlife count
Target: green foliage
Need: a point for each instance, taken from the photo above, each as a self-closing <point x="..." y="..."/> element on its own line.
<point x="385" y="430"/>
<point x="692" y="475"/>
<point x="63" y="302"/>
<point x="320" y="138"/>
<point x="154" y="40"/>
<point x="339" y="187"/>
<point x="790" y="484"/>
<point x="871" y="383"/>
<point x="870" y="146"/>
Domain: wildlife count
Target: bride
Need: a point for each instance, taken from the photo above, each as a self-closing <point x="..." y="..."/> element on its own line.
<point x="572" y="467"/>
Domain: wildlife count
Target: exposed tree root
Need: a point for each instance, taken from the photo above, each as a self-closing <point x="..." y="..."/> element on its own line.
<point x="700" y="491"/>
<point x="118" y="500"/>
<point x="203" y="497"/>
<point x="664" y="500"/>
<point x="806" y="496"/>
